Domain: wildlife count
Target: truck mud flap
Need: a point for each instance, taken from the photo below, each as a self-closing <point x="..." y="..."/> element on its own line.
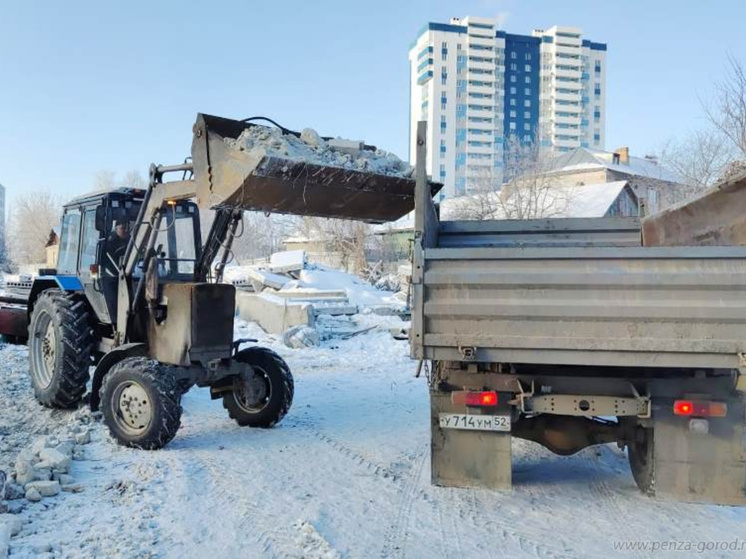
<point x="701" y="467"/>
<point x="465" y="458"/>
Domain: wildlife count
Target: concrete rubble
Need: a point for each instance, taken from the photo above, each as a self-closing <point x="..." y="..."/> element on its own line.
<point x="40" y="472"/>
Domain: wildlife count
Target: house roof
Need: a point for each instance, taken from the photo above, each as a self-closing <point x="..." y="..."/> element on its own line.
<point x="585" y="159"/>
<point x="588" y="200"/>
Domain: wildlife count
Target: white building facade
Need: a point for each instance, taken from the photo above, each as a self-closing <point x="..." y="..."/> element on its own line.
<point x="481" y="89"/>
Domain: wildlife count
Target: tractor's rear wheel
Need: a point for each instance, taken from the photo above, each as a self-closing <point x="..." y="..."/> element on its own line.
<point x="641" y="459"/>
<point x="141" y="403"/>
<point x="262" y="399"/>
<point x="60" y="345"/>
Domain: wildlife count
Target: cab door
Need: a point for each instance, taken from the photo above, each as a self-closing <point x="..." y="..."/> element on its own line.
<point x="88" y="269"/>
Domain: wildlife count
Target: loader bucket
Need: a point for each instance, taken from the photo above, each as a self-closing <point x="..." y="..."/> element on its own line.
<point x="255" y="180"/>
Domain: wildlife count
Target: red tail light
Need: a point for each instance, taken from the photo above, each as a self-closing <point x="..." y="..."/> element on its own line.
<point x="700" y="408"/>
<point x="473" y="398"/>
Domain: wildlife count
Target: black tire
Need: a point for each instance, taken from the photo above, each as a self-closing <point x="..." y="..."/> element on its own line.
<point x="641" y="459"/>
<point x="141" y="403"/>
<point x="278" y="383"/>
<point x="60" y="344"/>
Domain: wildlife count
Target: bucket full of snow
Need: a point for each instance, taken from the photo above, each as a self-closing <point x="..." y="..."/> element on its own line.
<point x="252" y="167"/>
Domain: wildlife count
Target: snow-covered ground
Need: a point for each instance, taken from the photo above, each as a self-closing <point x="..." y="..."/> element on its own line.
<point x="346" y="474"/>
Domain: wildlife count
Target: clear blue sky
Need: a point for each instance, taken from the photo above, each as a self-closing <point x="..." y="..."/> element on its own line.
<point x="92" y="85"/>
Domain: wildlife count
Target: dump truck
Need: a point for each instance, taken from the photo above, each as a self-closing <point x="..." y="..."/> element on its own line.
<point x="571" y="333"/>
<point x="137" y="293"/>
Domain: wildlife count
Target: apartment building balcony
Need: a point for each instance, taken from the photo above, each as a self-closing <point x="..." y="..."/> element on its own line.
<point x="561" y="73"/>
<point x="478" y="65"/>
<point x="481" y="89"/>
<point x="481" y="41"/>
<point x="481" y="150"/>
<point x="472" y="125"/>
<point x="561" y="49"/>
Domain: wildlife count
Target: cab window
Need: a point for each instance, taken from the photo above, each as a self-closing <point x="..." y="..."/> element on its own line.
<point x="67" y="260"/>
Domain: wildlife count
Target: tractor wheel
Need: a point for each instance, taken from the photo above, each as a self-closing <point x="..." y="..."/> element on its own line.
<point x="263" y="400"/>
<point x="641" y="459"/>
<point x="141" y="403"/>
<point x="60" y="344"/>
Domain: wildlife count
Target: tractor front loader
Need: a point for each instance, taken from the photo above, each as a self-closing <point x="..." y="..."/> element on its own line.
<point x="151" y="312"/>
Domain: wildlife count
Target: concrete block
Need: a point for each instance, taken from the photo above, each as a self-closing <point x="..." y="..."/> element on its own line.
<point x="273" y="314"/>
<point x="264" y="278"/>
<point x="287" y="261"/>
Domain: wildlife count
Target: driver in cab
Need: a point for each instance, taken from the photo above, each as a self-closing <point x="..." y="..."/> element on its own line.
<point x="116" y="245"/>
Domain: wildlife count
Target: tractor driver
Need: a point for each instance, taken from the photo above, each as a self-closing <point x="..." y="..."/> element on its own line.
<point x="116" y="245"/>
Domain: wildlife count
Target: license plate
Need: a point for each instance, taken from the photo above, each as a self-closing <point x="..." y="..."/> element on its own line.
<point x="475" y="422"/>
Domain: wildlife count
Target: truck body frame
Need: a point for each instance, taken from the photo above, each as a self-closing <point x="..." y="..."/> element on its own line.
<point x="586" y="337"/>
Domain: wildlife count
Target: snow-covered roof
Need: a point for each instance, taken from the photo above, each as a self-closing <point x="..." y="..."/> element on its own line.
<point x="588" y="200"/>
<point x="585" y="159"/>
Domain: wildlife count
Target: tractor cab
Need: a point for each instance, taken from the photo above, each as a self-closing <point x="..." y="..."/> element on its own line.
<point x="95" y="232"/>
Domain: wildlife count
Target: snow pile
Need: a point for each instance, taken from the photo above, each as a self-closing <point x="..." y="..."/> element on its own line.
<point x="359" y="291"/>
<point x="311" y="148"/>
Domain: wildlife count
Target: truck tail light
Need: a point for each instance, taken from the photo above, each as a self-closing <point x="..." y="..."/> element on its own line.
<point x="699" y="408"/>
<point x="472" y="398"/>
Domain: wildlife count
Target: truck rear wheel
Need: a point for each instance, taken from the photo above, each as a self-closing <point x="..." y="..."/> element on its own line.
<point x="141" y="403"/>
<point x="641" y="459"/>
<point x="265" y="399"/>
<point x="60" y="344"/>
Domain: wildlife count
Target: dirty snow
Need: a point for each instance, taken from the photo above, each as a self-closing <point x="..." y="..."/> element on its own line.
<point x="311" y="148"/>
<point x="346" y="474"/>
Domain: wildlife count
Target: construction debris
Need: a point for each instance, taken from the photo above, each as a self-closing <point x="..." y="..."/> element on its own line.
<point x="301" y="336"/>
<point x="312" y="149"/>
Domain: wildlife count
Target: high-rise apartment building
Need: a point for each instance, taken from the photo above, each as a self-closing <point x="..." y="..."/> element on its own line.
<point x="482" y="90"/>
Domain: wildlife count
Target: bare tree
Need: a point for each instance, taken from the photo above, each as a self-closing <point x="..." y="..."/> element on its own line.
<point x="105" y="180"/>
<point x="529" y="192"/>
<point x="728" y="112"/>
<point x="699" y="159"/>
<point x="346" y="238"/>
<point x="34" y="215"/>
<point x="133" y="179"/>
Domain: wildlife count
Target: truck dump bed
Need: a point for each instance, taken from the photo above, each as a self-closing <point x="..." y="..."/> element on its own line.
<point x="577" y="292"/>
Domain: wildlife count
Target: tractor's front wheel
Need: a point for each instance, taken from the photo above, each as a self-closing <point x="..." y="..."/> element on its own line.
<point x="60" y="344"/>
<point x="141" y="403"/>
<point x="263" y="398"/>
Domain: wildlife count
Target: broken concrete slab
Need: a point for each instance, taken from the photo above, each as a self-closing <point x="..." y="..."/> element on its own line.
<point x="263" y="278"/>
<point x="274" y="314"/>
<point x="287" y="261"/>
<point x="45" y="488"/>
<point x="312" y="294"/>
<point x="301" y="336"/>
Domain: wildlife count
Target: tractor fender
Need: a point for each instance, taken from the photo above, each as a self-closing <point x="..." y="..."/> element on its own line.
<point x="42" y="283"/>
<point x="107" y="362"/>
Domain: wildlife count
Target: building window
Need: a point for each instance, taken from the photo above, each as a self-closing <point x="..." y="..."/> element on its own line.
<point x="512" y="103"/>
<point x="528" y="56"/>
<point x="442" y="172"/>
<point x="512" y="125"/>
<point x="527" y="103"/>
<point x="598" y="67"/>
<point x="597" y="138"/>
<point x="512" y="79"/>
<point x="442" y="147"/>
<point x="512" y="91"/>
<point x="513" y="55"/>
<point x="514" y="67"/>
<point x="528" y="67"/>
<point x="526" y="115"/>
<point x="527" y="127"/>
<point x="442" y="124"/>
<point x="527" y="137"/>
<point x="527" y="91"/>
<point x="512" y="114"/>
<point x="597" y="90"/>
<point x="528" y="79"/>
